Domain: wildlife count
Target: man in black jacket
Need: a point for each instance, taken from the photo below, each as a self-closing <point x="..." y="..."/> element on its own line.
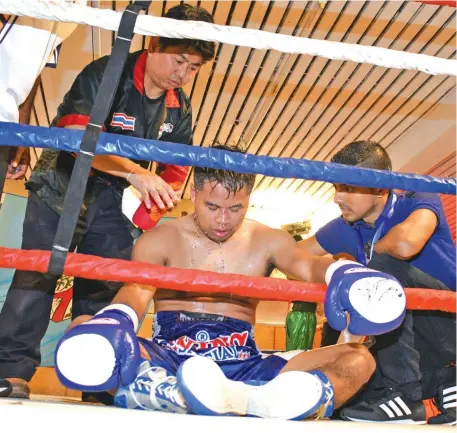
<point x="148" y="104"/>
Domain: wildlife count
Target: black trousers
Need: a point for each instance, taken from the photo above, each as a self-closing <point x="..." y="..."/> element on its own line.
<point x="25" y="314"/>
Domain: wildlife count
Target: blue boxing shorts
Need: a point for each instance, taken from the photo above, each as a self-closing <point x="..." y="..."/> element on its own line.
<point x="178" y="335"/>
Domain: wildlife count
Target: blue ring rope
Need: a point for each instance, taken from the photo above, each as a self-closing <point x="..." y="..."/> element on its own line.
<point x="13" y="134"/>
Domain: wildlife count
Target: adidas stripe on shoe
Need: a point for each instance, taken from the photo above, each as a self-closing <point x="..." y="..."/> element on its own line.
<point x="447" y="403"/>
<point x="450" y="397"/>
<point x="394" y="408"/>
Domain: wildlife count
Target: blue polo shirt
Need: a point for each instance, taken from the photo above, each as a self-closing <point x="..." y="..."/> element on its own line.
<point x="437" y="258"/>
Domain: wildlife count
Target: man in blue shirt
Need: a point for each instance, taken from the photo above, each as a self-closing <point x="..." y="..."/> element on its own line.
<point x="407" y="236"/>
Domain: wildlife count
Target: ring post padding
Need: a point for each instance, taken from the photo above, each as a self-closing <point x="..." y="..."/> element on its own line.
<point x="102" y="105"/>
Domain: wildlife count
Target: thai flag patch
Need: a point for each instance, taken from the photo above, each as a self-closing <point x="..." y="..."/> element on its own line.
<point x="123" y="121"/>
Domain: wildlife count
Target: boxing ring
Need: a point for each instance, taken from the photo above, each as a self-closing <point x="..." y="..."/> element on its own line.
<point x="35" y="414"/>
<point x="46" y="415"/>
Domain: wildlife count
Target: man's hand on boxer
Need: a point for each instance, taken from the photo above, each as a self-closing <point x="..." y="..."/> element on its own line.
<point x="101" y="353"/>
<point x="153" y="188"/>
<point x="375" y="301"/>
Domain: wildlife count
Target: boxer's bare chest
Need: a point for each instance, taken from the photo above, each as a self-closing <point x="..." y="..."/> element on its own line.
<point x="240" y="255"/>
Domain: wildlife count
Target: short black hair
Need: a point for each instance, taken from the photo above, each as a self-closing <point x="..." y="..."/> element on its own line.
<point x="187" y="12"/>
<point x="364" y="153"/>
<point x="232" y="181"/>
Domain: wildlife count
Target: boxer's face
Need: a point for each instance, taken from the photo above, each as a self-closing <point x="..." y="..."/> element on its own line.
<point x="219" y="213"/>
<point x="357" y="203"/>
<point x="172" y="67"/>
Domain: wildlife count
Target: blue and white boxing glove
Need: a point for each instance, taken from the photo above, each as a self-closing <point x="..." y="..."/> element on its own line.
<point x="375" y="301"/>
<point x="100" y="353"/>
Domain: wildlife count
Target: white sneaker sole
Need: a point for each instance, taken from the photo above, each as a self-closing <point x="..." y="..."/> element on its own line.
<point x="292" y="395"/>
<point x="403" y="421"/>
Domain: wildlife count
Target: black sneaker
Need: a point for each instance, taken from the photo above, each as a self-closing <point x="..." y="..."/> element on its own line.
<point x="394" y="407"/>
<point x="446" y="402"/>
<point x="14" y="388"/>
<point x="5" y="388"/>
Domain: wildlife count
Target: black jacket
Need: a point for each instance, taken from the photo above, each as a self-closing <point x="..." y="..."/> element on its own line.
<point x="51" y="175"/>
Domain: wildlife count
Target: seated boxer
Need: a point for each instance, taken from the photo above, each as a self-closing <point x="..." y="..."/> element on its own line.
<point x="202" y="357"/>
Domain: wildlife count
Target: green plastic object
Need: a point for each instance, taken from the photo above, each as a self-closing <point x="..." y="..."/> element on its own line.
<point x="301" y="326"/>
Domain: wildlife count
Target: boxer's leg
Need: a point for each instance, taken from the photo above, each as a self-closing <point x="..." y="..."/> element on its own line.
<point x="208" y="391"/>
<point x="347" y="366"/>
<point x="309" y="385"/>
<point x="155" y="387"/>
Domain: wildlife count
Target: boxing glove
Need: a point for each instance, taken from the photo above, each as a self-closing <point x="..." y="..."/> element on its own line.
<point x="375" y="301"/>
<point x="145" y="218"/>
<point x="101" y="353"/>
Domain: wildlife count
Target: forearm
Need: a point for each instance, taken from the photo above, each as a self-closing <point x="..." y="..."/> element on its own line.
<point x="298" y="263"/>
<point x="78" y="321"/>
<point x="117" y="166"/>
<point x="133" y="295"/>
<point x="396" y="244"/>
<point x="318" y="268"/>
<point x="136" y="297"/>
<point x="310" y="268"/>
<point x="112" y="164"/>
<point x="25" y="110"/>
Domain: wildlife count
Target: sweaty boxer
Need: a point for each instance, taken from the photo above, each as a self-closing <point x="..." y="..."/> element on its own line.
<point x="202" y="357"/>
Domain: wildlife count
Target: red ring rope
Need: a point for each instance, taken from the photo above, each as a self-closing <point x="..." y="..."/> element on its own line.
<point x="98" y="268"/>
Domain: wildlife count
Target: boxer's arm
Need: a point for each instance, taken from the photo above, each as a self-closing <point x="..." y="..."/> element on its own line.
<point x="374" y="300"/>
<point x="408" y="238"/>
<point x="312" y="246"/>
<point x="135" y="296"/>
<point x="294" y="261"/>
<point x="151" y="248"/>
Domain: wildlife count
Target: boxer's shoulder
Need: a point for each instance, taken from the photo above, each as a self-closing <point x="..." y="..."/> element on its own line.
<point x="160" y="240"/>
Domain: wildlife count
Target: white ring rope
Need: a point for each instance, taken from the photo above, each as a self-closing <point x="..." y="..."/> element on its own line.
<point x="65" y="11"/>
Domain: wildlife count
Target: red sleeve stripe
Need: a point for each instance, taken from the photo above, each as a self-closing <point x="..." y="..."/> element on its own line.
<point x="73" y="119"/>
